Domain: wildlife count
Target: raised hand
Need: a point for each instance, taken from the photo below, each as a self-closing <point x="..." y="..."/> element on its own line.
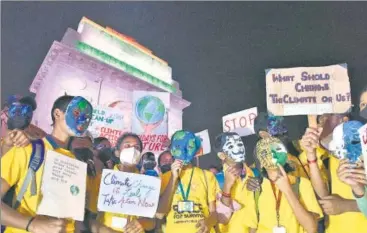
<point x="310" y="140"/>
<point x="230" y="177"/>
<point x="134" y="227"/>
<point x="282" y="181"/>
<point x="176" y="169"/>
<point x="17" y="138"/>
<point x="202" y="227"/>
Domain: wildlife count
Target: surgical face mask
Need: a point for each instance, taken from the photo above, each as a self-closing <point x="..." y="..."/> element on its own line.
<point x="363" y="113"/>
<point x="184" y="146"/>
<point x="270" y="152"/>
<point x="19" y="116"/>
<point x="346" y="143"/>
<point x="130" y="156"/>
<point x="234" y="148"/>
<point x="78" y="115"/>
<point x="165" y="168"/>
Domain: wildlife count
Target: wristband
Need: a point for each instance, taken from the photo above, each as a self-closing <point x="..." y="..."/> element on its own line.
<point x="312" y="161"/>
<point x="358" y="196"/>
<point x="228" y="195"/>
<point x="29" y="223"/>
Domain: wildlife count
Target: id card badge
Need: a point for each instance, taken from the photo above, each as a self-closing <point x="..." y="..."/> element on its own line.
<point x="185" y="206"/>
<point x="279" y="230"/>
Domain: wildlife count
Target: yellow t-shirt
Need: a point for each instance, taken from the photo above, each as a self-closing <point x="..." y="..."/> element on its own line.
<point x="115" y="221"/>
<point x="14" y="168"/>
<point x="240" y="220"/>
<point x="93" y="184"/>
<point x="203" y="192"/>
<point x="267" y="207"/>
<point x="351" y="222"/>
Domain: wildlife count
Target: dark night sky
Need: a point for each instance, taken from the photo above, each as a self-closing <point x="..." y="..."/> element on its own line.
<point x="218" y="50"/>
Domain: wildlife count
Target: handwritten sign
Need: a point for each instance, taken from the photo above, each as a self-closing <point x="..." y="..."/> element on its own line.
<point x="308" y="90"/>
<point x="240" y="122"/>
<point x="205" y="143"/>
<point x="128" y="193"/>
<point x="107" y="122"/>
<point x="363" y="136"/>
<point x="63" y="187"/>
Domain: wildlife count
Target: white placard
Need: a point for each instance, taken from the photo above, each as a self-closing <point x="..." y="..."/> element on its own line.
<point x="363" y="137"/>
<point x="129" y="193"/>
<point x="240" y="122"/>
<point x="63" y="187"/>
<point x="205" y="143"/>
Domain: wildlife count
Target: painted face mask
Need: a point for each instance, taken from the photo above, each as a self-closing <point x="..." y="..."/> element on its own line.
<point x="346" y="143"/>
<point x="231" y="145"/>
<point x="78" y="115"/>
<point x="184" y="146"/>
<point x="276" y="126"/>
<point x="20" y="116"/>
<point x="270" y="152"/>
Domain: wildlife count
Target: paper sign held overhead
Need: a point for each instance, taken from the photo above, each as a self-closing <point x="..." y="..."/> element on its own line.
<point x="205" y="143"/>
<point x="129" y="193"/>
<point x="308" y="90"/>
<point x="63" y="186"/>
<point x="240" y="122"/>
<point x="363" y="136"/>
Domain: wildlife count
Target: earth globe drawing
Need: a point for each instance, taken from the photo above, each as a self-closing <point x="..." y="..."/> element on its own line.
<point x="150" y="109"/>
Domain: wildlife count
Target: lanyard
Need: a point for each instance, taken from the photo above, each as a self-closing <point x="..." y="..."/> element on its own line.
<point x="185" y="196"/>
<point x="278" y="200"/>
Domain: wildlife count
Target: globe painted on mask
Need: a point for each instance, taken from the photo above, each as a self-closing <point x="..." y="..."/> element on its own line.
<point x="150" y="109"/>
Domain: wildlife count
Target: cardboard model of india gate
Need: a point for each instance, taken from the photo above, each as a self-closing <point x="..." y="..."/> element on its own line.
<point x="104" y="67"/>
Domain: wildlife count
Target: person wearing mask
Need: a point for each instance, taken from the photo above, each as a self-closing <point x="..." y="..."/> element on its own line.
<point x="234" y="202"/>
<point x="165" y="161"/>
<point x="147" y="164"/>
<point x="337" y="199"/>
<point x="287" y="203"/>
<point x="213" y="169"/>
<point x="111" y="222"/>
<point x="188" y="193"/>
<point x="14" y="169"/>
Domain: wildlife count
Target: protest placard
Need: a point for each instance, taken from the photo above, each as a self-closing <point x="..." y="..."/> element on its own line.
<point x="308" y="90"/>
<point x="240" y="122"/>
<point x="63" y="187"/>
<point x="149" y="121"/>
<point x="205" y="143"/>
<point x="107" y="122"/>
<point x="128" y="193"/>
<point x="363" y="136"/>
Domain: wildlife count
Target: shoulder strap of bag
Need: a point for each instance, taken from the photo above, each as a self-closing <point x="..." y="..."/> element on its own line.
<point x="37" y="157"/>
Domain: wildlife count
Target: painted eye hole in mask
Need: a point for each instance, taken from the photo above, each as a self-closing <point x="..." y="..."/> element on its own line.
<point x="270" y="152"/>
<point x="78" y="115"/>
<point x="184" y="146"/>
<point x="346" y="143"/>
<point x="20" y="116"/>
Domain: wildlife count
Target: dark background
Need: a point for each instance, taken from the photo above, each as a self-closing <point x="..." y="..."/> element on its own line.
<point x="218" y="50"/>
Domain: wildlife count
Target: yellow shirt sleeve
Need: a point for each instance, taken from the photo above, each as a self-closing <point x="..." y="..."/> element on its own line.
<point x="212" y="186"/>
<point x="164" y="181"/>
<point x="13" y="164"/>
<point x="308" y="197"/>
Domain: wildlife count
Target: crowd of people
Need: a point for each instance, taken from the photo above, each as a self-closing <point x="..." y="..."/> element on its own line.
<point x="312" y="184"/>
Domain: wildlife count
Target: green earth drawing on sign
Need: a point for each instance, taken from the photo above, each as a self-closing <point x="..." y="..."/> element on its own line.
<point x="150" y="109"/>
<point x="74" y="190"/>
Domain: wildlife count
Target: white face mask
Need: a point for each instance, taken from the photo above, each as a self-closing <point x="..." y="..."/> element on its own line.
<point x="130" y="156"/>
<point x="337" y="144"/>
<point x="325" y="142"/>
<point x="234" y="148"/>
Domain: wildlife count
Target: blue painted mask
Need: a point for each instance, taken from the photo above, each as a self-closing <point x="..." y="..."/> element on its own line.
<point x="346" y="143"/>
<point x="20" y="116"/>
<point x="78" y="115"/>
<point x="184" y="146"/>
<point x="276" y="125"/>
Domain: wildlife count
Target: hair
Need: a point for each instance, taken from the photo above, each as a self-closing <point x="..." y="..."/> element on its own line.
<point x="98" y="140"/>
<point x="161" y="154"/>
<point x="215" y="167"/>
<point x="261" y="122"/>
<point x="363" y="91"/>
<point x="60" y="103"/>
<point x="127" y="135"/>
<point x="221" y="139"/>
<point x="30" y="101"/>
